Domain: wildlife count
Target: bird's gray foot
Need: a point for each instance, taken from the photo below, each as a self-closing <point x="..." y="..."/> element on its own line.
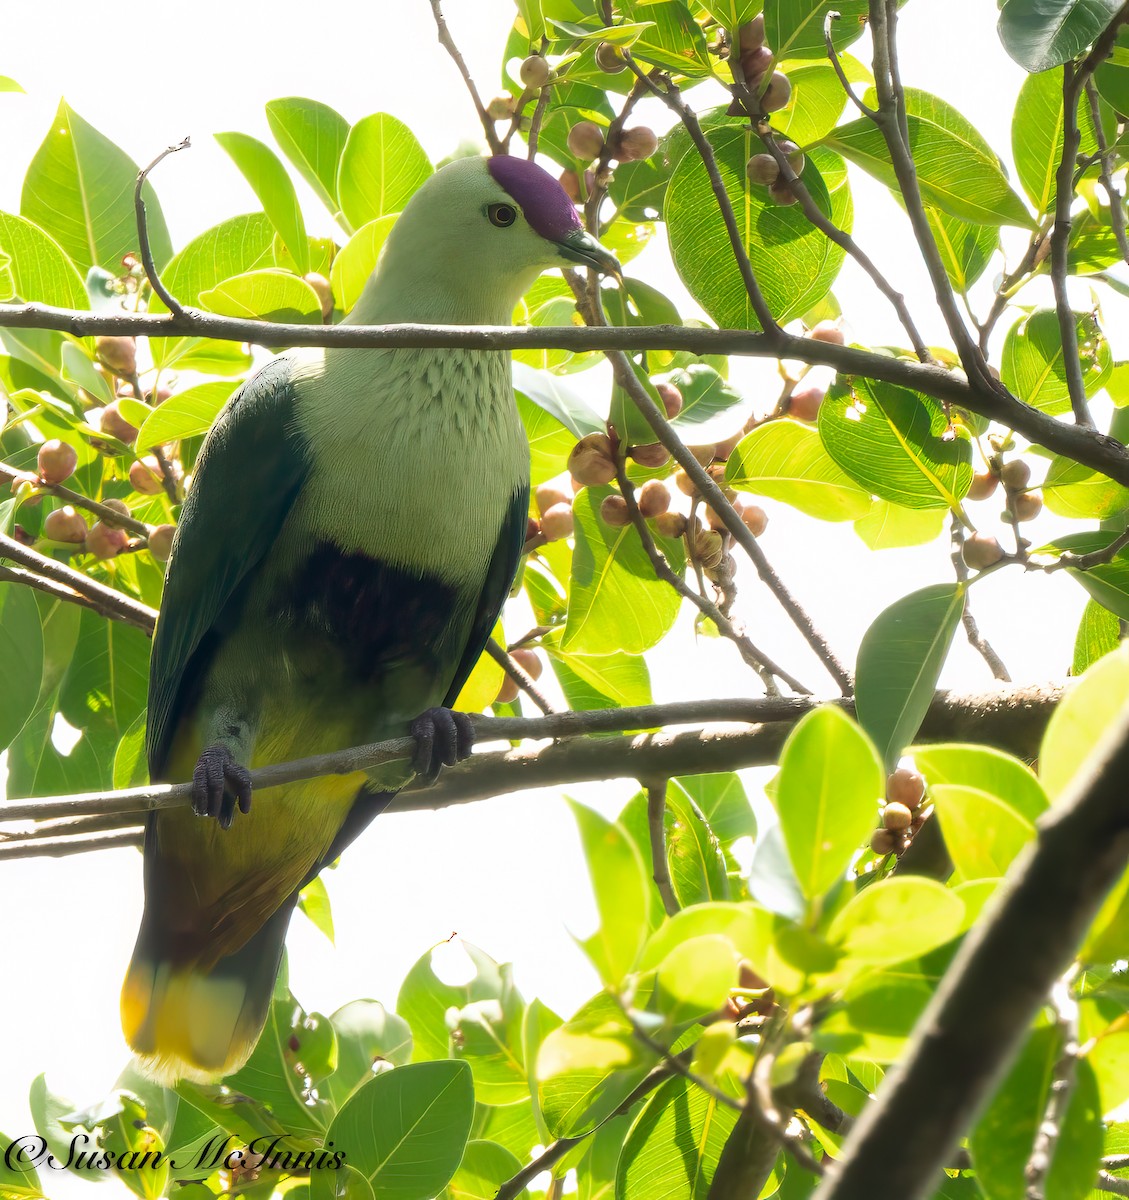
<point x="218" y="784"/>
<point x="443" y="738"/>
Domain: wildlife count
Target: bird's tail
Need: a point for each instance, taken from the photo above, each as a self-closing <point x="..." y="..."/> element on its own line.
<point x="189" y="1021"/>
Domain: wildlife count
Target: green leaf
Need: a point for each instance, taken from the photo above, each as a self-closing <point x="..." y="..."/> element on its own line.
<point x="786" y="460"/>
<point x="21" y="651"/>
<point x="1112" y="76"/>
<point x="1083" y="717"/>
<point x="674" y="1145"/>
<point x="1040" y="34"/>
<point x="186" y="414"/>
<point x="988" y="769"/>
<point x="312" y="135"/>
<point x="356" y="261"/>
<point x="1074" y="490"/>
<point x="267" y="176"/>
<point x="549" y="303"/>
<point x="817" y="100"/>
<point x="957" y="170"/>
<point x="404" y="1131"/>
<point x="484" y="1168"/>
<point x="313" y="900"/>
<point x="900" y="661"/>
<point x="1032" y="359"/>
<point x="616" y="602"/>
<point x="593" y="681"/>
<point x="1002" y="1139"/>
<point x="368" y="1037"/>
<point x="794" y="263"/>
<point x="889" y="526"/>
<point x="695" y="978"/>
<point x="19" y="1179"/>
<point x="672" y="39"/>
<point x="966" y="247"/>
<point x="79" y="188"/>
<point x="1037" y="135"/>
<point x="896" y="919"/>
<point x="37" y="268"/>
<point x="550" y="443"/>
<point x="826" y="796"/>
<point x="1099" y="634"/>
<point x="712" y="408"/>
<point x="722" y="800"/>
<point x="619" y="881"/>
<point x="794" y="28"/>
<point x="1107" y="583"/>
<point x="983" y="833"/>
<point x="558" y="399"/>
<point x="8" y="84"/>
<point x="897" y="444"/>
<point x="267" y="295"/>
<point x="381" y="165"/>
<point x="732" y="14"/>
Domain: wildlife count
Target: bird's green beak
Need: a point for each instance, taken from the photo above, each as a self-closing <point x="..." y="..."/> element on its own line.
<point x="581" y="247"/>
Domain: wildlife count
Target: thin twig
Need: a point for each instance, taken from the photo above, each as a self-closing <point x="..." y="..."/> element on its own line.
<point x="1061" y="1089"/>
<point x="1116" y="209"/>
<point x="77" y="500"/>
<point x="656" y="826"/>
<point x="521" y="677"/>
<point x="1112" y="1184"/>
<point x="159" y="289"/>
<point x="533" y="135"/>
<point x="833" y="55"/>
<point x="1083" y="562"/>
<point x="976" y="639"/>
<point x="448" y="44"/>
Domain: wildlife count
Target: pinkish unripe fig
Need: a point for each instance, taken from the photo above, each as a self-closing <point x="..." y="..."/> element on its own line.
<point x="654" y="454"/>
<point x="635" y="144"/>
<point x="532" y="529"/>
<point x="557" y="523"/>
<point x="883" y="842"/>
<point x="57" y="461"/>
<point x="65" y="525"/>
<point x="684" y="483"/>
<point x="609" y="59"/>
<point x="780" y="193"/>
<point x="549" y="494"/>
<point x="117" y="506"/>
<point x="110" y="421"/>
<point x="508" y="691"/>
<point x="983" y="484"/>
<point x="160" y="542"/>
<point x="501" y="108"/>
<point x="828" y="331"/>
<point x="613" y="511"/>
<point x="897" y="816"/>
<point x="671" y="398"/>
<point x="763" y="170"/>
<point x="793" y="154"/>
<point x="586" y="140"/>
<point x="905" y="786"/>
<point x="534" y="72"/>
<point x="103" y="541"/>
<point x="980" y="550"/>
<point x="756" y="64"/>
<point x="753" y="516"/>
<point x="750" y="36"/>
<point x="670" y="524"/>
<point x="145" y="476"/>
<point x="654" y="498"/>
<point x="118" y="354"/>
<point x="529" y="661"/>
<point x="704" y="454"/>
<point x="805" y="401"/>
<point x="591" y="462"/>
<point x="324" y="292"/>
<point x="1027" y="505"/>
<point x="570" y="181"/>
<point x="1015" y="475"/>
<point x="777" y="94"/>
<point x="723" y="450"/>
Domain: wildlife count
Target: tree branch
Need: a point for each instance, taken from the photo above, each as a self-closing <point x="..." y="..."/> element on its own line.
<point x="999" y="979"/>
<point x="159" y="289"/>
<point x="656" y="826"/>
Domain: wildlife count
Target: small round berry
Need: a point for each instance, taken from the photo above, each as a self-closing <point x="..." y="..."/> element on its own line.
<point x="763" y="170"/>
<point x="507" y="693"/>
<point x="57" y="461"/>
<point x="501" y="108"/>
<point x="65" y="525"/>
<point x="782" y="195"/>
<point x="684" y="483"/>
<point x="534" y="72"/>
<point x="118" y="354"/>
<point x="323" y="289"/>
<point x="756" y="64"/>
<point x="529" y="661"/>
<point x="777" y="94"/>
<point x="613" y="511"/>
<point x="793" y="154"/>
<point x="981" y="550"/>
<point x="905" y="786"/>
<point x="805" y="401"/>
<point x="670" y="524"/>
<point x="110" y="421"/>
<point x="654" y="454"/>
<point x="984" y="484"/>
<point x="883" y="842"/>
<point x="549" y="494"/>
<point x="557" y="523"/>
<point x="117" y="506"/>
<point x="704" y="454"/>
<point x="753" y="516"/>
<point x="145" y="476"/>
<point x="586" y="140"/>
<point x="897" y="816"/>
<point x="570" y="181"/>
<point x="654" y="498"/>
<point x="104" y="541"/>
<point x="1015" y="475"/>
<point x="1027" y="505"/>
<point x="671" y="397"/>
<point x="750" y="36"/>
<point x="635" y="144"/>
<point x="609" y="59"/>
<point x="591" y="462"/>
<point x="828" y="331"/>
<point x="160" y="542"/>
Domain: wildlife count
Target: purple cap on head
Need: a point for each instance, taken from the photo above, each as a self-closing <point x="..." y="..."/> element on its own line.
<point x="546" y="204"/>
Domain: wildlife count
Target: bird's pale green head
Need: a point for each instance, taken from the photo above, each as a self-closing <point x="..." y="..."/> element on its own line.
<point x="472" y="240"/>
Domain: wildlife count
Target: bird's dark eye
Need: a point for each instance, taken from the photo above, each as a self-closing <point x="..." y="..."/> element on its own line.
<point x="502" y="215"/>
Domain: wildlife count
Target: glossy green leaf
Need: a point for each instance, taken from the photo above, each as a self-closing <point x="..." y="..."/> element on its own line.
<point x="1040" y="34"/>
<point x="36" y="268"/>
<point x="619" y="881"/>
<point x="889" y="526"/>
<point x="550" y="443"/>
<point x="1111" y="77"/>
<point x="1031" y="364"/>
<point x="21" y="651"/>
<point x="557" y="398"/>
<point x="787" y="461"/>
<point x="356" y="261"/>
<point x="404" y="1131"/>
<point x="712" y="408"/>
<point x="722" y="800"/>
<point x="616" y="602"/>
<point x="1072" y="489"/>
<point x="966" y="247"/>
<point x="312" y="135"/>
<point x="185" y="414"/>
<point x="381" y="165"/>
<point x="793" y="261"/>
<point x="732" y="14"/>
<point x="8" y="84"/>
<point x="817" y="99"/>
<point x="313" y="901"/>
<point x="877" y="1015"/>
<point x="896" y="919"/>
<point x="549" y="303"/>
<point x="897" y="444"/>
<point x="957" y="170"/>
<point x="368" y="1036"/>
<point x="826" y="796"/>
<point x="1099" y="633"/>
<point x="900" y="661"/>
<point x="267" y="295"/>
<point x="672" y="39"/>
<point x="987" y="769"/>
<point x="1002" y="1139"/>
<point x="794" y="28"/>
<point x="269" y="181"/>
<point x="484" y="1168"/>
<point x="592" y="681"/>
<point x="982" y="832"/>
<point x="1107" y="583"/>
<point x="19" y="1179"/>
<point x="695" y="978"/>
<point x="79" y="188"/>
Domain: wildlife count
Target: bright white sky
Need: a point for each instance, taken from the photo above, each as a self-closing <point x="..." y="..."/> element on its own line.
<point x="506" y="874"/>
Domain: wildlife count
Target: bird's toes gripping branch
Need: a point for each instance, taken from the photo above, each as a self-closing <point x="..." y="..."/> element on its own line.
<point x="443" y="738"/>
<point x="218" y="784"/>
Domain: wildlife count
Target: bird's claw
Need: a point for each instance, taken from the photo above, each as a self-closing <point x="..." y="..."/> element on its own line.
<point x="443" y="738"/>
<point x="219" y="783"/>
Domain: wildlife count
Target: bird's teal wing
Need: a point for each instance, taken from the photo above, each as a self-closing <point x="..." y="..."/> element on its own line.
<point x="499" y="579"/>
<point x="247" y="476"/>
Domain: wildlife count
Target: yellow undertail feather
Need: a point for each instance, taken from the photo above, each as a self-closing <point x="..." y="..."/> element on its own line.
<point x="186" y="1025"/>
